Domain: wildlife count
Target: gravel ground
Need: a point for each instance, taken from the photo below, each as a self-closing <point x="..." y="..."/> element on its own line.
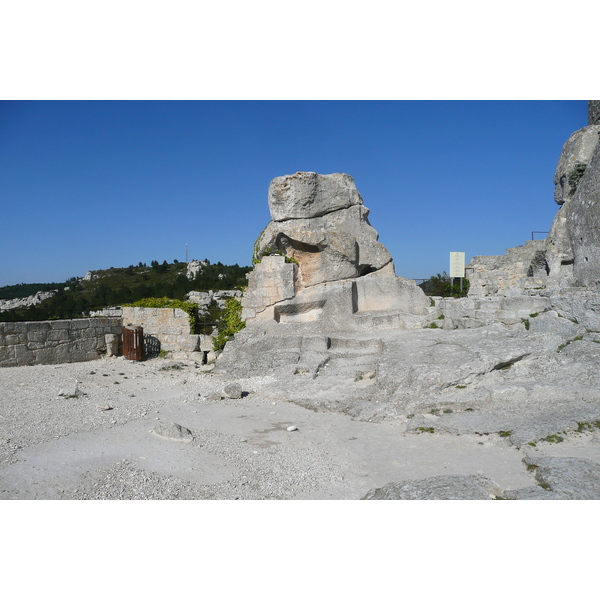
<point x="85" y="431"/>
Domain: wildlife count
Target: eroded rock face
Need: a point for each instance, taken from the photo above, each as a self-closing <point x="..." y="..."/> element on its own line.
<point x="574" y="158"/>
<point x="594" y="112"/>
<point x="582" y="220"/>
<point x="319" y="261"/>
<point x="570" y="255"/>
<point x="308" y="195"/>
<point x="521" y="268"/>
<point x="320" y="223"/>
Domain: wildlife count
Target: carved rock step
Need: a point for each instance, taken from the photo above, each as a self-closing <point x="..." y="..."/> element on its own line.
<point x="356" y="345"/>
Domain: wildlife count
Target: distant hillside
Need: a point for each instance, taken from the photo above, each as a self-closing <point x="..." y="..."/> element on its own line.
<point x="116" y="286"/>
<point x="23" y="290"/>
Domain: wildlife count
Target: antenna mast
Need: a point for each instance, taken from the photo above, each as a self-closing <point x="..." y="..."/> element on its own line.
<point x="186" y="253"/>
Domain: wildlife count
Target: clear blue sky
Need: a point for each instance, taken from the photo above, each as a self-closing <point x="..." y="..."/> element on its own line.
<point x="88" y="185"/>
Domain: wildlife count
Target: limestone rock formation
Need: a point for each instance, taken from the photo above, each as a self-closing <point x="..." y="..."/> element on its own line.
<point x="308" y="195"/>
<point x="582" y="219"/>
<point x="194" y="268"/>
<point x="320" y="223"/>
<point x="574" y="158"/>
<point x="594" y="112"/>
<point x="32" y="300"/>
<point x="570" y="255"/>
<point x="321" y="282"/>
<point x="523" y="267"/>
<point x="319" y="261"/>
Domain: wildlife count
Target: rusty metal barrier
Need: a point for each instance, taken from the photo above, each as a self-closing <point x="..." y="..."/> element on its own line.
<point x="133" y="342"/>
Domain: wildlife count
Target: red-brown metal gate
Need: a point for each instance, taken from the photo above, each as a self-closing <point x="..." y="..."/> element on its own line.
<point x="133" y="342"/>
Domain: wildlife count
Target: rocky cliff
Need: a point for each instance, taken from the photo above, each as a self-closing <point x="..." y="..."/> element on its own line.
<point x="570" y="255"/>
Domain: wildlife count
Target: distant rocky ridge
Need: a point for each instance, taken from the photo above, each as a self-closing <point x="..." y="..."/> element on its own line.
<point x="32" y="300"/>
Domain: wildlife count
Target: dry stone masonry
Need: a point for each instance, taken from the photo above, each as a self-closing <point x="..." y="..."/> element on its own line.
<point x="53" y="342"/>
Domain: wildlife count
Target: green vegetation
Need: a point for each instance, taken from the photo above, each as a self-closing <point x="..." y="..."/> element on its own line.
<point x="118" y="286"/>
<point x="575" y="177"/>
<point x="553" y="439"/>
<point x="504" y="433"/>
<point x="191" y="308"/>
<point x="584" y="426"/>
<point x="427" y="429"/>
<point x="440" y="285"/>
<point x="575" y="339"/>
<point x="23" y="290"/>
<point x="230" y="323"/>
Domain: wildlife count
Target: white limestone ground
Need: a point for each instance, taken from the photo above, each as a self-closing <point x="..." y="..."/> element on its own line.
<point x="85" y="431"/>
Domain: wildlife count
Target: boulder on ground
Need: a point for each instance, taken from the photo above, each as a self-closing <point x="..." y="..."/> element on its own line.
<point x="442" y="487"/>
<point x="233" y="391"/>
<point x="172" y="431"/>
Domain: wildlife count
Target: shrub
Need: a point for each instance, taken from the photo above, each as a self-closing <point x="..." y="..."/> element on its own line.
<point x="441" y="285"/>
<point x="231" y="323"/>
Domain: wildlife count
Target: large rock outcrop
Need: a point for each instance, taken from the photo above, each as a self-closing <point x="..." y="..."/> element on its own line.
<point x="319" y="261"/>
<point x="320" y="223"/>
<point x="320" y="273"/>
<point x="575" y="158"/>
<point x="570" y="255"/>
<point x="582" y="223"/>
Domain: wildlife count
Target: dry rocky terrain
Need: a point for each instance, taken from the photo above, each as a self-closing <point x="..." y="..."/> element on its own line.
<point x="163" y="428"/>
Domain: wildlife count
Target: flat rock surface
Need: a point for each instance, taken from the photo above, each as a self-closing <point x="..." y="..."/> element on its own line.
<point x="56" y="446"/>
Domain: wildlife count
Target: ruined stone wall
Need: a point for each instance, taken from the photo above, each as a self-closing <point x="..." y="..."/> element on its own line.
<point x="170" y="326"/>
<point x="54" y="342"/>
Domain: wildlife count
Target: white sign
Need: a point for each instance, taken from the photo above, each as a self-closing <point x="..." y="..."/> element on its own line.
<point x="457" y="264"/>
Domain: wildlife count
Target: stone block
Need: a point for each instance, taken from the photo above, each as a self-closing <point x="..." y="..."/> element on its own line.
<point x="58" y="335"/>
<point x="37" y="336"/>
<point x="390" y="293"/>
<point x="63" y="324"/>
<point x="23" y="355"/>
<point x="10" y="339"/>
<point x="308" y="194"/>
<point x="35" y="326"/>
<point x="35" y="345"/>
<point x="7" y="353"/>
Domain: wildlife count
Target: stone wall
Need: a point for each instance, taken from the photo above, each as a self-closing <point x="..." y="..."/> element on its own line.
<point x="521" y="268"/>
<point x="53" y="342"/>
<point x="170" y="326"/>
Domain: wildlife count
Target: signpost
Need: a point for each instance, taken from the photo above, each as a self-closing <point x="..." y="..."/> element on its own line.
<point x="457" y="267"/>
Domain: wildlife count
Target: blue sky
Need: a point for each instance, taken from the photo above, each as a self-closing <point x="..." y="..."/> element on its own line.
<point x="92" y="184"/>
